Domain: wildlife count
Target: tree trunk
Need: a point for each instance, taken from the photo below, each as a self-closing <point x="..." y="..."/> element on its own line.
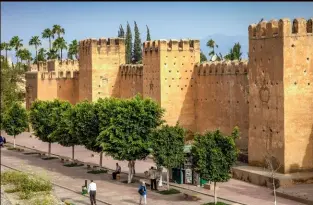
<point x="274" y="189"/>
<point x="130" y="172"/>
<point x="101" y="155"/>
<point x="168" y="178"/>
<point x="6" y="56"/>
<point x="50" y="43"/>
<point x="37" y="58"/>
<point x="160" y="169"/>
<point x="14" y="141"/>
<point x="134" y="171"/>
<point x="61" y="53"/>
<point x="49" y="149"/>
<point x="73" y="149"/>
<point x="215" y="196"/>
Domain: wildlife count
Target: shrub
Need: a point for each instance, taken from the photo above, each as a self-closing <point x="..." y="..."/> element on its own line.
<point x="26" y="184"/>
<point x="170" y="191"/>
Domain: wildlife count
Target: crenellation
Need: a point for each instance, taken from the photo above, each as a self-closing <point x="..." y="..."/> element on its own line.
<point x="222" y="68"/>
<point x="272" y="28"/>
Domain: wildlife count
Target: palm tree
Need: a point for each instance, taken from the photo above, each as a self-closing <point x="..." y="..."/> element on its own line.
<point x="16" y="43"/>
<point x="41" y="55"/>
<point x="57" y="29"/>
<point x="73" y="50"/>
<point x="52" y="54"/>
<point x="234" y="53"/>
<point x="24" y="54"/>
<point x="35" y="41"/>
<point x="60" y="44"/>
<point x="47" y="33"/>
<point x="211" y="44"/>
<point x="6" y="47"/>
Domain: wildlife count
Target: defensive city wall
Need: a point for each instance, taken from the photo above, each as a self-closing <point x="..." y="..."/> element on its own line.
<point x="269" y="97"/>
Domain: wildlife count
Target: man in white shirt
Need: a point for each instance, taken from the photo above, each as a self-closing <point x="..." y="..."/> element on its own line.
<point x="92" y="188"/>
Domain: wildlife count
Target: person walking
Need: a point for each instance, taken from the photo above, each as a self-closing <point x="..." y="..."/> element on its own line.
<point x="92" y="189"/>
<point x="143" y="193"/>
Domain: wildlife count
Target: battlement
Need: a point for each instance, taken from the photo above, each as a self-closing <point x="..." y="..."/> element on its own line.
<point x="171" y="45"/>
<point x="56" y="65"/>
<point x="102" y="42"/>
<point x="130" y="69"/>
<point x="283" y="27"/>
<point x="58" y="75"/>
<point x="222" y="68"/>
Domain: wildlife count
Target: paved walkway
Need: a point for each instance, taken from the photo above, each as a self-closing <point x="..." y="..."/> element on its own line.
<point x="111" y="191"/>
<point x="233" y="190"/>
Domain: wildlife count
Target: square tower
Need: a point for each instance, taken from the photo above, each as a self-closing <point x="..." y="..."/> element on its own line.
<point x="281" y="93"/>
<point x="169" y="78"/>
<point x="99" y="67"/>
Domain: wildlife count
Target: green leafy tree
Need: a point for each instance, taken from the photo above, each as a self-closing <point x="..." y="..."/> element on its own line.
<point x="211" y="44"/>
<point x="73" y="49"/>
<point x="121" y="33"/>
<point x="47" y="33"/>
<point x="86" y="127"/>
<point x="128" y="44"/>
<point x="35" y="41"/>
<point x="64" y="132"/>
<point x="137" y="53"/>
<point x="202" y="57"/>
<point x="57" y="30"/>
<point x="167" y="145"/>
<point x="44" y="118"/>
<point x="15" y="120"/>
<point x="6" y="47"/>
<point x="148" y="34"/>
<point x="234" y="53"/>
<point x="16" y="43"/>
<point x="11" y="92"/>
<point x="60" y="44"/>
<point x="213" y="156"/>
<point x="126" y="137"/>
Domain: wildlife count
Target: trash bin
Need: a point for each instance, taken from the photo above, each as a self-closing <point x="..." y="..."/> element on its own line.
<point x="84" y="190"/>
<point x="203" y="182"/>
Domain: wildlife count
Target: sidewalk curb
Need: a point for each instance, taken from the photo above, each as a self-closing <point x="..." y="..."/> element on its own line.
<point x="294" y="198"/>
<point x="135" y="176"/>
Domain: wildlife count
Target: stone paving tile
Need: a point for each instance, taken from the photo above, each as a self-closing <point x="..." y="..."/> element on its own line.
<point x="234" y="190"/>
<point x="108" y="190"/>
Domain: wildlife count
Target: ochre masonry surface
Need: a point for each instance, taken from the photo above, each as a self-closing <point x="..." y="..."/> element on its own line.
<point x="269" y="97"/>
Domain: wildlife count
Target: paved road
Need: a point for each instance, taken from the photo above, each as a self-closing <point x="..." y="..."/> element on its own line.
<point x="233" y="190"/>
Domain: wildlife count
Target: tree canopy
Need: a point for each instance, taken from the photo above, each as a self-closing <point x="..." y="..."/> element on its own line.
<point x="15" y="120"/>
<point x="214" y="154"/>
<point x="86" y="126"/>
<point x="167" y="145"/>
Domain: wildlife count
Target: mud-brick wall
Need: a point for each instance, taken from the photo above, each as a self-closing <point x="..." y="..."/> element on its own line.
<point x="131" y="80"/>
<point x="151" y="71"/>
<point x="221" y="99"/>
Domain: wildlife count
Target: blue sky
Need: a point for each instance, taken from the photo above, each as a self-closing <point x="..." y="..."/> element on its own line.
<point x="166" y="20"/>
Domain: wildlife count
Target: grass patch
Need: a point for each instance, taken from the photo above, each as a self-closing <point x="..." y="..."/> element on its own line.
<point x="97" y="171"/>
<point x="30" y="153"/>
<point x="218" y="203"/>
<point x="73" y="165"/>
<point x="26" y="185"/>
<point x="169" y="192"/>
<point x="49" y="158"/>
<point x="15" y="148"/>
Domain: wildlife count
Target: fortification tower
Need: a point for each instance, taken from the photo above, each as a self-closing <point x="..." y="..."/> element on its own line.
<point x="281" y="93"/>
<point x="99" y="67"/>
<point x="169" y="78"/>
